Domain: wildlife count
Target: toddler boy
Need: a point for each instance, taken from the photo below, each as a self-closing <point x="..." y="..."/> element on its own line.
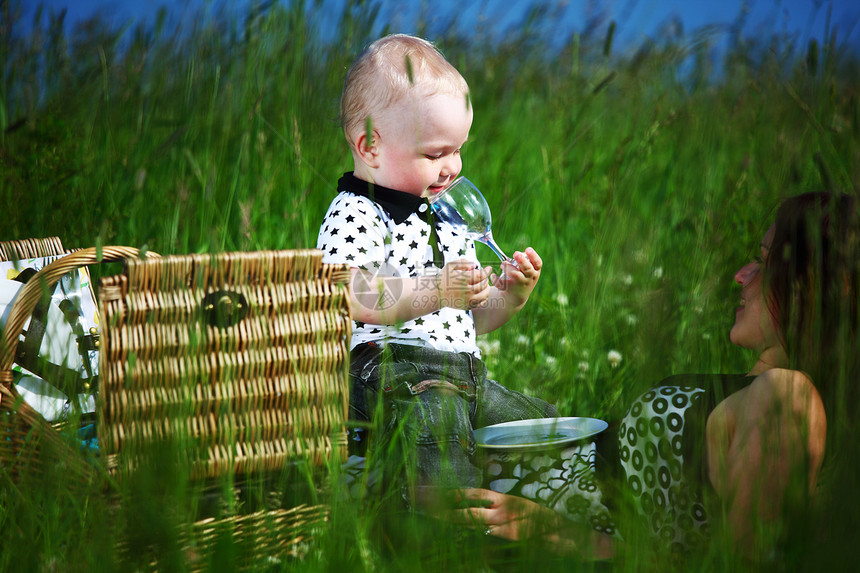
<point x="419" y="296"/>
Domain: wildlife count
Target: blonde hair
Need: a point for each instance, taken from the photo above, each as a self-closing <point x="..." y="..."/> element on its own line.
<point x="386" y="71"/>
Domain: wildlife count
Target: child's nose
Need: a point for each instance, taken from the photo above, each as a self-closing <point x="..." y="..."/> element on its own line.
<point x="452" y="164"/>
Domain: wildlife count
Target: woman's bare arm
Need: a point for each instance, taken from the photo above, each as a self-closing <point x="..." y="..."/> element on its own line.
<point x="765" y="445"/>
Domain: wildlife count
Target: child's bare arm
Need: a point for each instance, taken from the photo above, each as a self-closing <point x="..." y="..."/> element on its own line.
<point x="509" y="293"/>
<point x="395" y="299"/>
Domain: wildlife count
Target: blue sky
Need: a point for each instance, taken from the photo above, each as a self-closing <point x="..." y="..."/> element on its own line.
<point x="636" y="19"/>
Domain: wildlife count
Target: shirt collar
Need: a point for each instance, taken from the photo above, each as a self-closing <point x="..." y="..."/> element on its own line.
<point x="398" y="204"/>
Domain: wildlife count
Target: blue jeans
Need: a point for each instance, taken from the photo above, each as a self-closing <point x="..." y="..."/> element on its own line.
<point x="422" y="404"/>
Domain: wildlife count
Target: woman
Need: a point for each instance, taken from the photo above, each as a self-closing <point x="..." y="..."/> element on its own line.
<point x="753" y="444"/>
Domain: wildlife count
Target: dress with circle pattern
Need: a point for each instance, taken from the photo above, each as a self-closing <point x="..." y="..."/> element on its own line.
<point x="563" y="480"/>
<point x="661" y="452"/>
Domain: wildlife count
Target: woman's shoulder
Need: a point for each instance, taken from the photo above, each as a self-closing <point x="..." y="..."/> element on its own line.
<point x="784" y="375"/>
<point x="784" y="384"/>
<point x="701" y="380"/>
<point x="787" y="395"/>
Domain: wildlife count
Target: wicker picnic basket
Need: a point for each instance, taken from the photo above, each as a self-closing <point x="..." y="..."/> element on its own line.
<point x="244" y="355"/>
<point x="30" y="447"/>
<point x="31" y="248"/>
<point x="240" y="358"/>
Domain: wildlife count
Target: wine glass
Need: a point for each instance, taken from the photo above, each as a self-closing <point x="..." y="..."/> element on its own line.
<point x="462" y="205"/>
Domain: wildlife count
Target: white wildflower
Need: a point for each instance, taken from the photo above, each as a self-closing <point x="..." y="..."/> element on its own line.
<point x="522" y="340"/>
<point x="585" y="354"/>
<point x="706" y="336"/>
<point x="658" y="273"/>
<point x="631" y="319"/>
<point x="614" y="358"/>
<point x="551" y="361"/>
<point x="583" y="366"/>
<point x="565" y="342"/>
<point x="561" y="299"/>
<point x="627" y="279"/>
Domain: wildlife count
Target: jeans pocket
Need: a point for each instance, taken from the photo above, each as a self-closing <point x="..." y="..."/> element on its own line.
<point x="377" y="380"/>
<point x="434" y="415"/>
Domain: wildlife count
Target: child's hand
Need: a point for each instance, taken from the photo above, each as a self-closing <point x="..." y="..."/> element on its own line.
<point x="519" y="280"/>
<point x="463" y="285"/>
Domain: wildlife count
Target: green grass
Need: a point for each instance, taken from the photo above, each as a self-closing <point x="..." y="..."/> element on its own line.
<point x="644" y="183"/>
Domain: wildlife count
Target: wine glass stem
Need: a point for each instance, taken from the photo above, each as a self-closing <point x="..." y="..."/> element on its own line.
<point x="488" y="240"/>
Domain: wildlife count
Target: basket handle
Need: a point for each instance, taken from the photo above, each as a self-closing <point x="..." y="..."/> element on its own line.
<point x="31" y="293"/>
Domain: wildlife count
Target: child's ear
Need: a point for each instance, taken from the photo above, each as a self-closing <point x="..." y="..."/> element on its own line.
<point x="367" y="148"/>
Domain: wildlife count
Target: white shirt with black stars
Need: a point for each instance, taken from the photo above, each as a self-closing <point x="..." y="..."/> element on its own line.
<point x="391" y="229"/>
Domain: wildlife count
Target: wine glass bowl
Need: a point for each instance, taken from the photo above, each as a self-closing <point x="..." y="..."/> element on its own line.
<point x="462" y="206"/>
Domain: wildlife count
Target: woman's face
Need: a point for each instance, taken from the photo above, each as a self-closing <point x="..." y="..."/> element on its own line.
<point x="754" y="327"/>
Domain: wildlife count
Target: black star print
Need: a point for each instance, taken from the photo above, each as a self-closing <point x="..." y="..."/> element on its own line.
<point x="446" y="325"/>
<point x="399" y="236"/>
<point x="404" y="260"/>
<point x="408" y="222"/>
<point x="423" y="232"/>
<point x="335" y="213"/>
<point x="462" y="252"/>
<point x="362" y="250"/>
<point x="350" y="218"/>
<point x="350" y="239"/>
<point x="333" y="232"/>
<point x="419" y="321"/>
<point x="350" y="257"/>
<point x="359" y="324"/>
<point x="413" y="245"/>
<point x="405" y="330"/>
<point x="449" y="338"/>
<point x="333" y="251"/>
<point x="459" y="318"/>
<point x="362" y="229"/>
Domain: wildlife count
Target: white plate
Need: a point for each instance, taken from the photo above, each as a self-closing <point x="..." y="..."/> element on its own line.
<point x="538" y="433"/>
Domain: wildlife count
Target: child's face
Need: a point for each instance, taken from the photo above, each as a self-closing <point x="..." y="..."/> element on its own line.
<point x="419" y="143"/>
